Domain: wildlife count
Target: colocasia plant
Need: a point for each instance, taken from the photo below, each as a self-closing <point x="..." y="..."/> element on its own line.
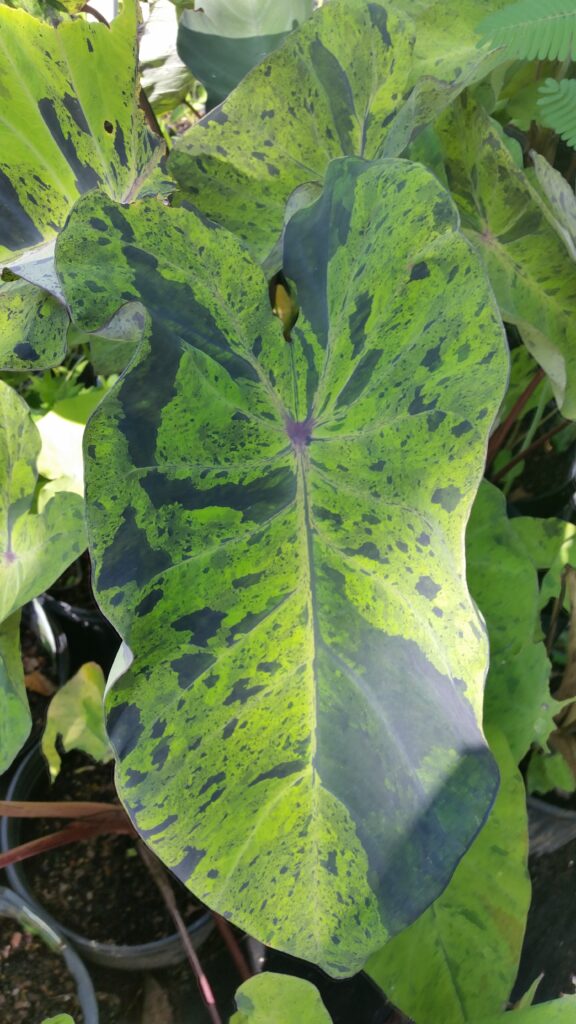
<point x="287" y="523"/>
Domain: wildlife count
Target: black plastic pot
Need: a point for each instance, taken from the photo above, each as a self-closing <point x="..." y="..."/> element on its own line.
<point x="549" y="826"/>
<point x="29" y="777"/>
<point x="31" y="919"/>
<point x="90" y="636"/>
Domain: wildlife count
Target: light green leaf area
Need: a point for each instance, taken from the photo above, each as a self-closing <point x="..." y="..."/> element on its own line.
<point x="548" y="771"/>
<point x="460" y="958"/>
<point x="559" y="1011"/>
<point x="326" y="93"/>
<point x="76" y="715"/>
<point x="62" y="431"/>
<point x="240" y="19"/>
<point x="221" y="41"/>
<point x="279" y="999"/>
<point x="15" y="721"/>
<point x="165" y="78"/>
<point x="560" y="197"/>
<point x="61" y="1018"/>
<point x="73" y="91"/>
<point x="346" y="82"/>
<point x="534" y="282"/>
<point x="504" y="582"/>
<point x="278" y="535"/>
<point x="550" y="544"/>
<point x="35" y="548"/>
<point x="33" y="327"/>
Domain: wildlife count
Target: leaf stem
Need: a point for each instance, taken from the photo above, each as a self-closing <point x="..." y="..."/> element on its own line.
<point x="528" y="451"/>
<point x="501" y="433"/>
<point x="165" y="889"/>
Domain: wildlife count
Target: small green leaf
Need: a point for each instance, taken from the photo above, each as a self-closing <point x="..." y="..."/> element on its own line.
<point x="279" y="999"/>
<point x="460" y="958"/>
<point x="76" y="715"/>
<point x="15" y="719"/>
<point x="277" y="532"/>
<point x="559" y="1011"/>
<point x="504" y="582"/>
<point x="556" y="103"/>
<point x="534" y="282"/>
<point x="35" y="547"/>
<point x="165" y="78"/>
<point x="61" y="1018"/>
<point x="530" y="30"/>
<point x="549" y="771"/>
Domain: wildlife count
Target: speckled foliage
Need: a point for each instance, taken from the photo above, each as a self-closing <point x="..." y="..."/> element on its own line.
<point x="357" y="79"/>
<point x="532" y="276"/>
<point x="277" y="531"/>
<point x="70" y="120"/>
<point x="35" y="547"/>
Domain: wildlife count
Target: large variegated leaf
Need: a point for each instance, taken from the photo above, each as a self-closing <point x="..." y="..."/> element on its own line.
<point x="346" y="82"/>
<point x="35" y="548"/>
<point x="458" y="961"/>
<point x="278" y="535"/>
<point x="70" y="120"/>
<point x="534" y="280"/>
<point x="503" y="580"/>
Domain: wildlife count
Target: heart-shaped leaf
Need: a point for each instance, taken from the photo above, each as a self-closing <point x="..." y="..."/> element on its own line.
<point x="278" y="535"/>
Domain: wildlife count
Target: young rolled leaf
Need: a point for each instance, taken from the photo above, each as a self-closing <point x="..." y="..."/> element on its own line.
<point x="72" y="89"/>
<point x="534" y="281"/>
<point x="277" y="531"/>
<point x="459" y="960"/>
<point x="347" y="82"/>
<point x="270" y="998"/>
<point x="35" y="547"/>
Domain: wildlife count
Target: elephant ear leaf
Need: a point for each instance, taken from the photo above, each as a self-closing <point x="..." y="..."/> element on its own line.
<point x="74" y="88"/>
<point x="35" y="548"/>
<point x="277" y="531"/>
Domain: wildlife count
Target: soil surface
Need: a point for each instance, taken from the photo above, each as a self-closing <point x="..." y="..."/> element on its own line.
<point x="34" y="981"/>
<point x="99" y="887"/>
<point x="550" y="943"/>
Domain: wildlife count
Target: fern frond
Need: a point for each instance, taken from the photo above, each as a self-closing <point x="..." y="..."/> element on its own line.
<point x="533" y="29"/>
<point x="557" y="101"/>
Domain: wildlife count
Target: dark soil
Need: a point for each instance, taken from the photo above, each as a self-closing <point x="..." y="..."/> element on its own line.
<point x="34" y="981"/>
<point x="36" y="660"/>
<point x="99" y="887"/>
<point x="550" y="943"/>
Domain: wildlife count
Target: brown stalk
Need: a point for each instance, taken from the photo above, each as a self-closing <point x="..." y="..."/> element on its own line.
<point x="76" y="831"/>
<point x="531" y="448"/>
<point x="233" y="947"/>
<point x="165" y="889"/>
<point x="501" y="433"/>
<point x="56" y="809"/>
